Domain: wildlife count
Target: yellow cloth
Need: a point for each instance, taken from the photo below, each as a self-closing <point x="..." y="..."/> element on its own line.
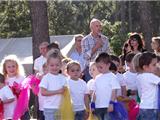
<point x="66" y="110"/>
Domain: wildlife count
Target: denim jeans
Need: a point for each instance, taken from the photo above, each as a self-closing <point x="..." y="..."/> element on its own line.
<point x="148" y="114"/>
<point x="102" y="114"/>
<point x="79" y="115"/>
<point x="87" y="76"/>
<point x="40" y="115"/>
<point x="26" y="116"/>
<point x="51" y="114"/>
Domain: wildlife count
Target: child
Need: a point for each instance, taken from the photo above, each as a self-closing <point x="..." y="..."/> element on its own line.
<point x="93" y="72"/>
<point x="156" y="45"/>
<point x="105" y="86"/>
<point x="52" y="86"/>
<point x="130" y="77"/>
<point x="78" y="90"/>
<point x="14" y="75"/>
<point x="64" y="66"/>
<point x="120" y="78"/>
<point x="7" y="98"/>
<point x="40" y="97"/>
<point x="149" y="86"/>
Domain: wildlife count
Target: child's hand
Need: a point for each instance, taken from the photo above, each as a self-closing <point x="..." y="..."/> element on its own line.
<point x="110" y="108"/>
<point x="61" y="91"/>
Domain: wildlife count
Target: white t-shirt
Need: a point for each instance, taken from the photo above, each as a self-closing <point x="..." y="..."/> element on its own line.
<point x="38" y="63"/>
<point x="90" y="85"/>
<point x="130" y="78"/>
<point x="6" y="93"/>
<point x="41" y="100"/>
<point x="121" y="81"/>
<point x="11" y="80"/>
<point x="104" y="84"/>
<point x="149" y="90"/>
<point x="78" y="89"/>
<point x="52" y="82"/>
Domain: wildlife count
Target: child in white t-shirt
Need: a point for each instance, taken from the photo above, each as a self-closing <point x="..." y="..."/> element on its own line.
<point x="93" y="72"/>
<point x="130" y="77"/>
<point x="78" y="90"/>
<point x="148" y="81"/>
<point x="52" y="86"/>
<point x="105" y="86"/>
<point x="7" y="98"/>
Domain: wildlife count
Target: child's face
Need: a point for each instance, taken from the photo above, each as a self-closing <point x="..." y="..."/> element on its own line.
<point x="74" y="72"/>
<point x="102" y="67"/>
<point x="11" y="68"/>
<point x="54" y="65"/>
<point x="152" y="67"/>
<point x="93" y="71"/>
<point x="154" y="45"/>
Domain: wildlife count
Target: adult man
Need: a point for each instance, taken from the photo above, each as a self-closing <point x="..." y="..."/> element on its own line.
<point x="94" y="43"/>
<point x="38" y="63"/>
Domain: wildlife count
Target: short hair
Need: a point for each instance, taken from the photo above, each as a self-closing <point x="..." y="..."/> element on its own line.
<point x="103" y="57"/>
<point x="2" y="78"/>
<point x="94" y="20"/>
<point x="129" y="57"/>
<point x="71" y="64"/>
<point x="53" y="45"/>
<point x="44" y="43"/>
<point x="157" y="39"/>
<point x="113" y="67"/>
<point x="146" y="58"/>
<point x="115" y="58"/>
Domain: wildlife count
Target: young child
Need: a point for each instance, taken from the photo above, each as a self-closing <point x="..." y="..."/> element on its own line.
<point x="105" y="86"/>
<point x="78" y="90"/>
<point x="116" y="61"/>
<point x="156" y="45"/>
<point x="40" y="97"/>
<point x="7" y="98"/>
<point x="149" y="86"/>
<point x="14" y="75"/>
<point x="93" y="72"/>
<point x="64" y="66"/>
<point x="130" y="77"/>
<point x="52" y="86"/>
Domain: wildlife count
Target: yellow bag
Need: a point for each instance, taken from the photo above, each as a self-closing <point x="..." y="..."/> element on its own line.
<point x="66" y="110"/>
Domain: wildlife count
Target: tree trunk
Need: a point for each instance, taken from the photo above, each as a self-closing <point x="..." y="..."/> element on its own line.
<point x="40" y="33"/>
<point x="39" y="20"/>
<point x="146" y="22"/>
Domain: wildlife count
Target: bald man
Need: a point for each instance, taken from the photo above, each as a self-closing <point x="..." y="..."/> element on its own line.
<point x="94" y="43"/>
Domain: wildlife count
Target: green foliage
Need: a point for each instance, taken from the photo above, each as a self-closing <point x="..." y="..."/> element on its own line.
<point x="116" y="37"/>
<point x="14" y="19"/>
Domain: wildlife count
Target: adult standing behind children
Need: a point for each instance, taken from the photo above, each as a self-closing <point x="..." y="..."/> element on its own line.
<point x="94" y="43"/>
<point x="38" y="63"/>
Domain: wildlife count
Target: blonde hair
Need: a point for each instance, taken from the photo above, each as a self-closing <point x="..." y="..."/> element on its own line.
<point x="12" y="58"/>
<point x="71" y="64"/>
<point x="77" y="36"/>
<point x="136" y="62"/>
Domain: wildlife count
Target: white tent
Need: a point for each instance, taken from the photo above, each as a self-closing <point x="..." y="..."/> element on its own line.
<point x="22" y="47"/>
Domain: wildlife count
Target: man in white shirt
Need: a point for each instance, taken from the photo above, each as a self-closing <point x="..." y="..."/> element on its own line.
<point x="38" y="63"/>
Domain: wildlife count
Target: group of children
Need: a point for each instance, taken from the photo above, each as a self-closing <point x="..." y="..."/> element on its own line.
<point x="139" y="82"/>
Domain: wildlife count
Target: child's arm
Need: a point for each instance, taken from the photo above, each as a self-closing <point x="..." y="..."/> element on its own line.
<point x="86" y="101"/>
<point x="123" y="90"/>
<point x="8" y="100"/>
<point x="113" y="98"/>
<point x="46" y="92"/>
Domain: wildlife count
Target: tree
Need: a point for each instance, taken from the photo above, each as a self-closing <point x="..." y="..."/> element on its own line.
<point x="40" y="33"/>
<point x="39" y="21"/>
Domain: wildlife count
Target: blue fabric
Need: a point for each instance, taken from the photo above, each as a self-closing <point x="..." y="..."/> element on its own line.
<point x="79" y="115"/>
<point x="119" y="112"/>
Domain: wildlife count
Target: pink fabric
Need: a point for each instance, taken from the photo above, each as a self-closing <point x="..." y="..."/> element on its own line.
<point x="133" y="110"/>
<point x="1" y="111"/>
<point x="23" y="98"/>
